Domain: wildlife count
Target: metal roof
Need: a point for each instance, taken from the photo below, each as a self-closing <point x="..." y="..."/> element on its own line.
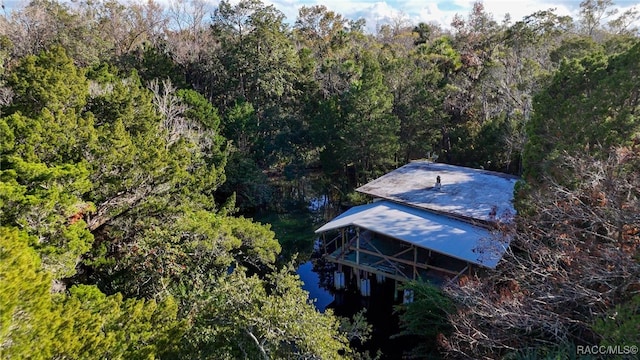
<point x="464" y="192"/>
<point x="426" y="229"/>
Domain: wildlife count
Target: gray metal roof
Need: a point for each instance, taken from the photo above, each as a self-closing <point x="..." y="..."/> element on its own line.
<point x="464" y="192"/>
<point x="454" y="238"/>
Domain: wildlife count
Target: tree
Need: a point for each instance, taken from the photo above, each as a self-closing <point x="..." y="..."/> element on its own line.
<point x="363" y="134"/>
<point x="112" y="187"/>
<point x="81" y="324"/>
<point x="333" y="43"/>
<point x="42" y="24"/>
<point x="574" y="256"/>
<point x="120" y="230"/>
<point x="572" y="260"/>
<point x="49" y="80"/>
<point x="192" y="46"/>
<point x="247" y="317"/>
<point x="582" y="111"/>
<point x="597" y="22"/>
<point x="593" y="12"/>
<point x="43" y="174"/>
<point x="256" y="53"/>
<point x="425" y="318"/>
<point x="424" y="31"/>
<point x="425" y="125"/>
<point x="24" y="288"/>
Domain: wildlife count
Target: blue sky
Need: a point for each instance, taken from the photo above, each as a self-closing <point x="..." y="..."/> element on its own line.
<point x="378" y="12"/>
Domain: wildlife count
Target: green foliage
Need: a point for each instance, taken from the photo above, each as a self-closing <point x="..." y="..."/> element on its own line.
<point x="246" y="317"/>
<point x="98" y="325"/>
<point x="558" y="352"/>
<point x="442" y="53"/>
<point x="259" y="246"/>
<point x="7" y="138"/>
<point x="355" y="198"/>
<point x="44" y="200"/>
<point x="241" y="126"/>
<point x="256" y="54"/>
<point x="620" y="327"/>
<point x="247" y="182"/>
<point x="200" y="110"/>
<point x="425" y="317"/>
<point x="422" y="118"/>
<point x="575" y="48"/>
<point x="49" y="80"/>
<point x="357" y="328"/>
<point x="359" y="131"/>
<point x="83" y="324"/>
<point x="25" y="308"/>
<point x="108" y="166"/>
<point x="589" y="107"/>
<point x="196" y="245"/>
<point x="44" y="117"/>
<point x="93" y="167"/>
<point x="152" y="62"/>
<point x="491" y="146"/>
<point x="294" y="231"/>
<point x="370" y="134"/>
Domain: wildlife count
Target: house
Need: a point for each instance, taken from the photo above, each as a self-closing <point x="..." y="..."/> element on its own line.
<point x="427" y="221"/>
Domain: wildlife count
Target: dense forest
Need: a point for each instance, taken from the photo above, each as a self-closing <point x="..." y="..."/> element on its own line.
<point x="138" y="142"/>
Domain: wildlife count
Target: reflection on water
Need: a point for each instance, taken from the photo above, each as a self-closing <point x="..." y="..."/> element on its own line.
<point x="317" y="277"/>
<point x="311" y="283"/>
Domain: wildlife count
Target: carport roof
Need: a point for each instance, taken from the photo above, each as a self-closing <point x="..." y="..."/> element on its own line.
<point x="448" y="236"/>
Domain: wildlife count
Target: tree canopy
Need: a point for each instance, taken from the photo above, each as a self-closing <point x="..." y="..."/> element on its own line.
<point x="138" y="141"/>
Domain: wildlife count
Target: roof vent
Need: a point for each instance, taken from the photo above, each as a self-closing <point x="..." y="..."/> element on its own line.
<point x="438" y="183"/>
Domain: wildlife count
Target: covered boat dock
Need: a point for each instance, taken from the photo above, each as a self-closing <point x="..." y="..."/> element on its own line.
<point x="428" y="221"/>
<point x="403" y="243"/>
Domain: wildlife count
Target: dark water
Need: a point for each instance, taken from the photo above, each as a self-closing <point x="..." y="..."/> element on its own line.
<point x="311" y="280"/>
<point x="317" y="278"/>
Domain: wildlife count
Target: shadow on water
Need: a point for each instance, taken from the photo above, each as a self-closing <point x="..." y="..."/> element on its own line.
<point x="317" y="276"/>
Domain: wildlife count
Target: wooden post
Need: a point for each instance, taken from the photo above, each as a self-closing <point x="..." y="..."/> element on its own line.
<point x="342" y="250"/>
<point x="358" y="255"/>
<point x="395" y="290"/>
<point x="358" y="246"/>
<point x="324" y="242"/>
<point x="415" y="261"/>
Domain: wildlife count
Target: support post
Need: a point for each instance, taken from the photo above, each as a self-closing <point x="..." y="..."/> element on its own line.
<point x="415" y="261"/>
<point x="342" y="250"/>
<point x="324" y="242"/>
<point x="358" y="246"/>
<point x="395" y="290"/>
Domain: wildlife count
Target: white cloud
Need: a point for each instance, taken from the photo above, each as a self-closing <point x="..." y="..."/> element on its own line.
<point x="521" y="9"/>
<point x="378" y="12"/>
<point x="439" y="11"/>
